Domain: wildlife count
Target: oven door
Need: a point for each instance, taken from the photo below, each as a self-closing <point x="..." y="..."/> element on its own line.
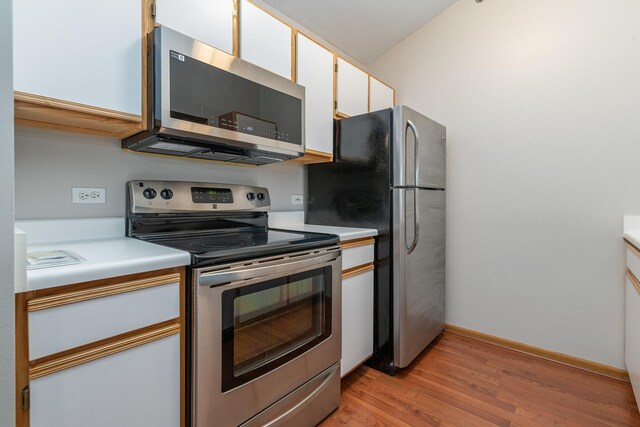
<point x="261" y="330"/>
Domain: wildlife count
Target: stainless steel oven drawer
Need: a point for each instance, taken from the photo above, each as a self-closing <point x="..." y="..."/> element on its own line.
<point x="306" y="406"/>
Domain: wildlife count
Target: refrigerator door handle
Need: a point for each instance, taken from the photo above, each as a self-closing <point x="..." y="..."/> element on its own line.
<point x="416" y="161"/>
<point x="416" y="222"/>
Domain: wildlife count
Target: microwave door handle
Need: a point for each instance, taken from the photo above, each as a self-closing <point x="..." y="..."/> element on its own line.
<point x="219" y="277"/>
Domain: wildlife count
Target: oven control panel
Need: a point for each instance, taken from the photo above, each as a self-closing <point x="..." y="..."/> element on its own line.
<point x="148" y="196"/>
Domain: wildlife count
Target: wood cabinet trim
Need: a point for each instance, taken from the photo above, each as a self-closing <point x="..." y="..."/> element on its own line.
<point x="364" y="241"/>
<point x="22" y="357"/>
<point x="369" y="92"/>
<point x="335" y="85"/>
<point x="74" y="106"/>
<point x="634" y="280"/>
<point x="235" y="28"/>
<point x="354" y="271"/>
<point x="74" y="357"/>
<point x="294" y="54"/>
<point x="148" y="24"/>
<point x="56" y="300"/>
<point x="312" y="156"/>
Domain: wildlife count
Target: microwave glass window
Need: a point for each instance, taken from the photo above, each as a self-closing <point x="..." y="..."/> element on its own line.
<point x="204" y="94"/>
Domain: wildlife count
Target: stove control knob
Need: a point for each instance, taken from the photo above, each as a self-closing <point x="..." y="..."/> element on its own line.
<point x="250" y="196"/>
<point x="260" y="196"/>
<point x="149" y="193"/>
<point x="166" y="194"/>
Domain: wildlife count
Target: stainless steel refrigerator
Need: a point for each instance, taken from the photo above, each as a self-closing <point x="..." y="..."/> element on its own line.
<point x="389" y="174"/>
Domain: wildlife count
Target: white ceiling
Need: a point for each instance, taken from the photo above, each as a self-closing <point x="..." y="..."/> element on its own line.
<point x="364" y="29"/>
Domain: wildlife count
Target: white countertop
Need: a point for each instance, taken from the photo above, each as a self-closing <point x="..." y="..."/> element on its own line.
<point x="631" y="229"/>
<point x="344" y="233"/>
<point x="294" y="220"/>
<point x="109" y="255"/>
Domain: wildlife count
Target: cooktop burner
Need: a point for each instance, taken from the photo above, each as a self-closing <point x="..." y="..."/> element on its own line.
<point x="223" y="246"/>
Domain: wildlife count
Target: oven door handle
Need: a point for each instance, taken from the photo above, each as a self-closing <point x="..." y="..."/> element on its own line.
<point x="222" y="277"/>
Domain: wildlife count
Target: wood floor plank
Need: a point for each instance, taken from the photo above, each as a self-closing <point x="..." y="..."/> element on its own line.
<point x="459" y="381"/>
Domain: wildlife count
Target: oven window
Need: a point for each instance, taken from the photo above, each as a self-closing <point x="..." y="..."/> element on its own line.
<point x="267" y="324"/>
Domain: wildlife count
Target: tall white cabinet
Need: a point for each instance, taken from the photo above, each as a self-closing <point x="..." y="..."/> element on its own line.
<point x="265" y="40"/>
<point x="210" y="21"/>
<point x="315" y="73"/>
<point x="352" y="89"/>
<point x="80" y="52"/>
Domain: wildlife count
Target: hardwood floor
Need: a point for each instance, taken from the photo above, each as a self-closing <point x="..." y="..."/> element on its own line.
<point x="459" y="381"/>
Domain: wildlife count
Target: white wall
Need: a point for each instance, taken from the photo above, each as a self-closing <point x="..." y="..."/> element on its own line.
<point x="542" y="103"/>
<point x="49" y="163"/>
<point x="7" y="357"/>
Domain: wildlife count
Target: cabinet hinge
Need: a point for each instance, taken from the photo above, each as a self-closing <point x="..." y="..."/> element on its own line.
<point x="335" y="105"/>
<point x="153" y="9"/>
<point x="25" y="398"/>
<point x="336" y="67"/>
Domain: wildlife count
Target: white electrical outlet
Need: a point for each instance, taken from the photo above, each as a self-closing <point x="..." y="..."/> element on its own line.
<point x="88" y="195"/>
<point x="297" y="199"/>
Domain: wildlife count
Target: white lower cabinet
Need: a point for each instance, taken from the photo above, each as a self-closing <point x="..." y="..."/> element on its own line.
<point x="632" y="337"/>
<point x="357" y="320"/>
<point x="132" y="388"/>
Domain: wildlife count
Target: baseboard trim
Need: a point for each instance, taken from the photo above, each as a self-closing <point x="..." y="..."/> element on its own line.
<point x="565" y="359"/>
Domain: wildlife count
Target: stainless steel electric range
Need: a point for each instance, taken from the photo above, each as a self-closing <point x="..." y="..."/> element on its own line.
<point x="263" y="305"/>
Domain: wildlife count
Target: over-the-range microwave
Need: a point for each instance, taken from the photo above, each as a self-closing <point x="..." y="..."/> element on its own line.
<point x="204" y="103"/>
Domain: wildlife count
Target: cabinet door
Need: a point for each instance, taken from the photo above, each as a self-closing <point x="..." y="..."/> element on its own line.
<point x="357" y="320"/>
<point x="315" y="73"/>
<point x="136" y="387"/>
<point x="80" y="51"/>
<point x="71" y="325"/>
<point x="632" y="336"/>
<point x="264" y="40"/>
<point x="352" y="89"/>
<point x="209" y="21"/>
<point x="380" y="95"/>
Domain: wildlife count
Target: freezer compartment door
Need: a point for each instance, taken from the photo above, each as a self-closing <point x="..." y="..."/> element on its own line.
<point x="418" y="270"/>
<point x="419" y="150"/>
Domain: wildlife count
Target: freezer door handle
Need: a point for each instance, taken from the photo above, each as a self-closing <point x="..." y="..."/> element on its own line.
<point x="416" y="159"/>
<point x="416" y="222"/>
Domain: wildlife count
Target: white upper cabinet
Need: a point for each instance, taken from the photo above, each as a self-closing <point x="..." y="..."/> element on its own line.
<point x="80" y="51"/>
<point x="352" y="92"/>
<point x="315" y="73"/>
<point x="264" y="40"/>
<point x="209" y="21"/>
<point x="380" y="95"/>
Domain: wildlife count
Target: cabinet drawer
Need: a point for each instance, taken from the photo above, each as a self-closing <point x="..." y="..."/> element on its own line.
<point x="632" y="334"/>
<point x="66" y="326"/>
<point x="357" y="320"/>
<point x="357" y="255"/>
<point x="136" y="387"/>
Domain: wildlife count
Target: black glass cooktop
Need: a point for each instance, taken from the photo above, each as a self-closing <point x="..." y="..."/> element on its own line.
<point x="219" y="246"/>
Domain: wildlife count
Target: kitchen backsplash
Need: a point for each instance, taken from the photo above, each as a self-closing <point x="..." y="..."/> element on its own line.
<point x="49" y="164"/>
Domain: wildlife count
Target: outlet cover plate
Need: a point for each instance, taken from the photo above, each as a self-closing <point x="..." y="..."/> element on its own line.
<point x="297" y="199"/>
<point x="86" y="195"/>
